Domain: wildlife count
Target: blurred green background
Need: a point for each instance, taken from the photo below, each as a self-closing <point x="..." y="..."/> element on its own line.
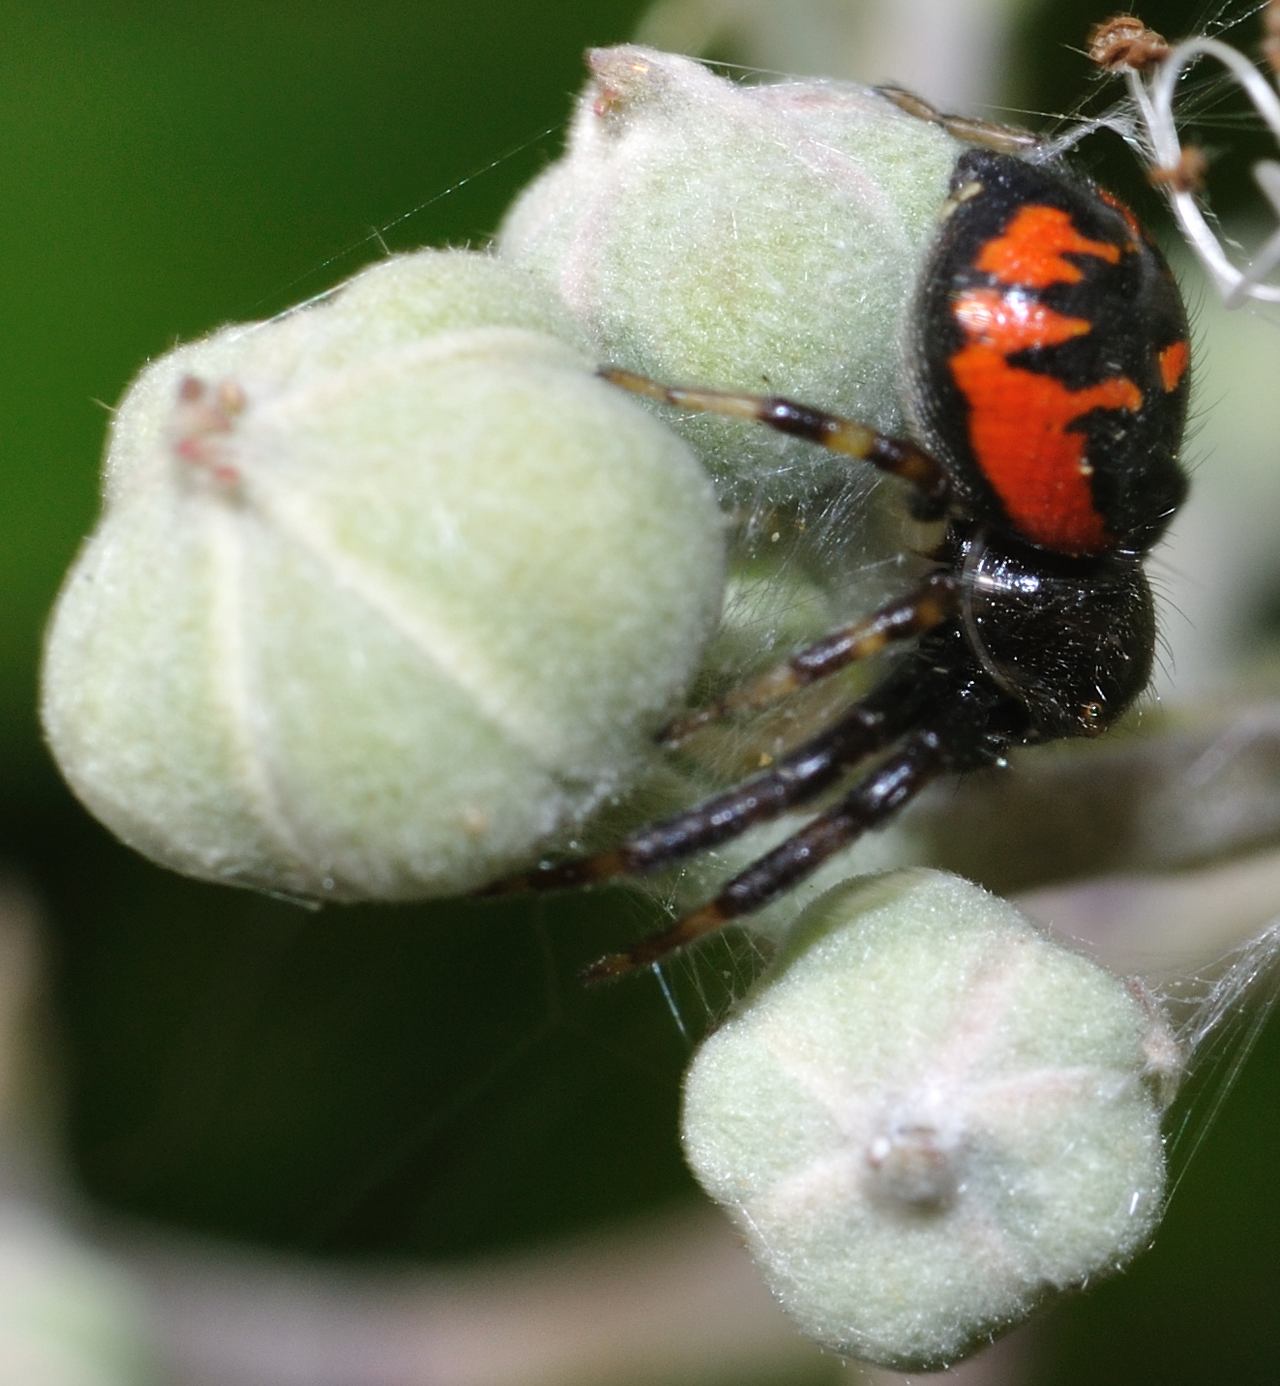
<point x="426" y="1083"/>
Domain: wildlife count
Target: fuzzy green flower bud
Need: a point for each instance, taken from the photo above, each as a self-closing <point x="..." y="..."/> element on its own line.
<point x="928" y="1115"/>
<point x="68" y="1317"/>
<point x="745" y="237"/>
<point x="384" y="592"/>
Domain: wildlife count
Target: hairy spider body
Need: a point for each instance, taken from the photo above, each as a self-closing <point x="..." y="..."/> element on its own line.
<point x="1048" y="389"/>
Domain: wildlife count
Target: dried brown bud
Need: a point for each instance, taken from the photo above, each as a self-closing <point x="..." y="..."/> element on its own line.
<point x="1123" y="43"/>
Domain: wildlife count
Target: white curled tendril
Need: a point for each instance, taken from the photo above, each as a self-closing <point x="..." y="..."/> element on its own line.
<point x="1153" y="93"/>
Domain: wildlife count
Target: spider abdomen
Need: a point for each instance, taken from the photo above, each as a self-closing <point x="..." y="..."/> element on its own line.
<point x="1051" y="360"/>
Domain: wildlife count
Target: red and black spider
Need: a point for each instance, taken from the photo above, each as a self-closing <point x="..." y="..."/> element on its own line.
<point x="1048" y="392"/>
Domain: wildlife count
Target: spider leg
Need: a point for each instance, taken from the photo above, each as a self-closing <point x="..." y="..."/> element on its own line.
<point x="897" y="456"/>
<point x="944" y="742"/>
<point x="872" y="723"/>
<point x="1006" y="139"/>
<point x="931" y="602"/>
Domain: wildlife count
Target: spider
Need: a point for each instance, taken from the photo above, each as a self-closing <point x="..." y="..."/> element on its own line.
<point x="1048" y="357"/>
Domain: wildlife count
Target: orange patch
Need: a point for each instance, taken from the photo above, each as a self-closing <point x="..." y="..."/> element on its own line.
<point x="1013" y="322"/>
<point x="1173" y="364"/>
<point x="1020" y="432"/>
<point x="1031" y="250"/>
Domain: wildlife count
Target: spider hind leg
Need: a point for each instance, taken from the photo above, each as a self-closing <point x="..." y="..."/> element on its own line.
<point x="867" y="727"/>
<point x="961" y="731"/>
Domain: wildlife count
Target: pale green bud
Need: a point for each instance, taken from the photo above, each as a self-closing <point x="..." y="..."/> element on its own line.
<point x="927" y="1116"/>
<point x="745" y="237"/>
<point x="384" y="592"/>
<point x="400" y="302"/>
<point x="67" y="1316"/>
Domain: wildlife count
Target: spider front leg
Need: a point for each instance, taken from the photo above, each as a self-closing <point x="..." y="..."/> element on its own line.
<point x="897" y="456"/>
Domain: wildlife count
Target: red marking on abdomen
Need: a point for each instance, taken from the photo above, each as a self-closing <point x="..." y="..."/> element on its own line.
<point x="1173" y="362"/>
<point x="1021" y="436"/>
<point x="1013" y="322"/>
<point x="1030" y="250"/>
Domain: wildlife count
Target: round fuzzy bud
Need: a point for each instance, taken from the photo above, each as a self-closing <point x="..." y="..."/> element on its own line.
<point x="397" y="303"/>
<point x="928" y="1115"/>
<point x="68" y="1317"/>
<point x="373" y="614"/>
<point x="762" y="238"/>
